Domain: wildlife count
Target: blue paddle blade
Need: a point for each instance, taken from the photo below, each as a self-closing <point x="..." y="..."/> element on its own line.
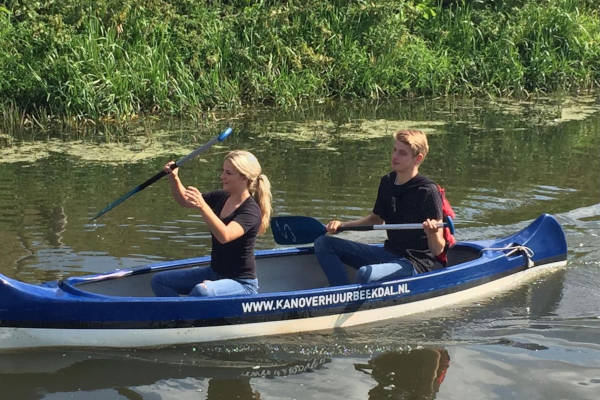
<point x="296" y="229"/>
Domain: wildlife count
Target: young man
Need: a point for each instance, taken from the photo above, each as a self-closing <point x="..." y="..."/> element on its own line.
<point x="404" y="196"/>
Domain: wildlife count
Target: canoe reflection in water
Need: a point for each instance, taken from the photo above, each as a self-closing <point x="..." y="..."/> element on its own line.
<point x="134" y="376"/>
<point x="415" y="374"/>
<point x="233" y="388"/>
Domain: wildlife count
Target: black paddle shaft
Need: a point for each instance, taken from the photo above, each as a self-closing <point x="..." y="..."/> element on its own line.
<point x="162" y="173"/>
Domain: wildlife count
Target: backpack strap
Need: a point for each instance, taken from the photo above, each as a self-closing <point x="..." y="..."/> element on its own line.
<point x="447" y="211"/>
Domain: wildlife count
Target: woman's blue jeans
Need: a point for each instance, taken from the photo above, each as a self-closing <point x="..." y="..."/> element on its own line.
<point x="373" y="263"/>
<point x="189" y="281"/>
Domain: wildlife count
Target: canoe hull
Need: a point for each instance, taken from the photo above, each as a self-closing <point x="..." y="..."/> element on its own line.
<point x="67" y="314"/>
<point x="18" y="338"/>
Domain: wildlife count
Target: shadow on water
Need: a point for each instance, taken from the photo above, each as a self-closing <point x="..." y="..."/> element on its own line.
<point x="36" y="374"/>
<point x="407" y="374"/>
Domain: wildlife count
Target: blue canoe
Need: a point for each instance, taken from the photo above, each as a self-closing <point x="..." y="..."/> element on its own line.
<point x="118" y="309"/>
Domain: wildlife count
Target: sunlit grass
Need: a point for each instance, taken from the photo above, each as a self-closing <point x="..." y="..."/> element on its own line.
<point x="81" y="63"/>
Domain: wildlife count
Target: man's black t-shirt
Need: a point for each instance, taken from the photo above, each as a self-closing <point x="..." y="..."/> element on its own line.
<point x="235" y="259"/>
<point x="412" y="202"/>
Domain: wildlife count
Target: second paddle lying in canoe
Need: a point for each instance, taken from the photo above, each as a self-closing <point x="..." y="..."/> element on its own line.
<point x="291" y="229"/>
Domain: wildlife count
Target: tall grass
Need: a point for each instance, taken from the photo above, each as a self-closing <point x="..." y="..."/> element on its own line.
<point x="110" y="60"/>
<point x="521" y="46"/>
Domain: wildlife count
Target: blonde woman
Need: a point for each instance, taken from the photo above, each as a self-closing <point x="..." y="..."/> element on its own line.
<point x="235" y="215"/>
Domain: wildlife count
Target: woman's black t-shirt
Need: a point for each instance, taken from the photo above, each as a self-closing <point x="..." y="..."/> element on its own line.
<point x="235" y="260"/>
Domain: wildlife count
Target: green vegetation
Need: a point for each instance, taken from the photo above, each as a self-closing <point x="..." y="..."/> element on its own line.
<point x="106" y="60"/>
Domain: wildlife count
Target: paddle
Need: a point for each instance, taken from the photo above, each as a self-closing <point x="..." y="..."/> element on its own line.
<point x="156" y="177"/>
<point x="300" y="230"/>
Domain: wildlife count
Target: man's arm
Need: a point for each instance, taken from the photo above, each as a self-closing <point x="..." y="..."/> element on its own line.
<point x="371" y="219"/>
<point x="435" y="236"/>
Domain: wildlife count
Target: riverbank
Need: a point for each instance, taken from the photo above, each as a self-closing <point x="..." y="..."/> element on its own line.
<point x="85" y="62"/>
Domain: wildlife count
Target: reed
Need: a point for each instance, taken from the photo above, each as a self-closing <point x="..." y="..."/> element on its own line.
<point x="109" y="60"/>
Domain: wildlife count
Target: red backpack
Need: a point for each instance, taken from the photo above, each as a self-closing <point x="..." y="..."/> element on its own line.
<point x="447" y="211"/>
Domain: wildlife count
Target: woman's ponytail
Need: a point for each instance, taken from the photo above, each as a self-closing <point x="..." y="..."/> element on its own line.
<point x="258" y="183"/>
<point x="263" y="197"/>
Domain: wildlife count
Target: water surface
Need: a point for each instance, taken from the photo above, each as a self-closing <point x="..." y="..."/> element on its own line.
<point x="502" y="164"/>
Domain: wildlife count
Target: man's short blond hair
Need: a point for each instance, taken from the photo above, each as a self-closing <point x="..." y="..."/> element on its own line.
<point x="416" y="139"/>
